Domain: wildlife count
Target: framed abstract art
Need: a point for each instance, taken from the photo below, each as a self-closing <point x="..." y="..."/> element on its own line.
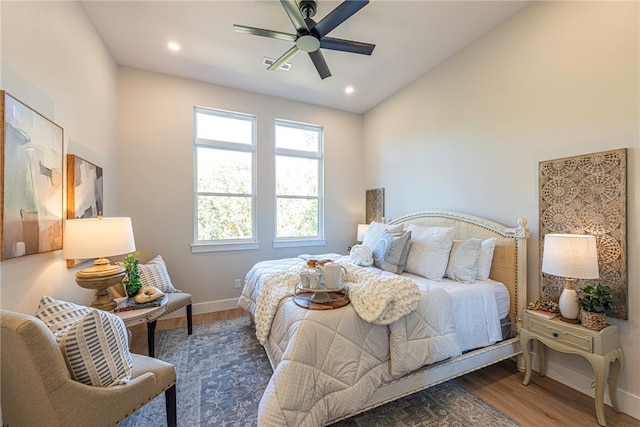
<point x="31" y="188"/>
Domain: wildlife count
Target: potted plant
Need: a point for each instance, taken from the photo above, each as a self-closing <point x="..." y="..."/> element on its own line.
<point x="131" y="281"/>
<point x="596" y="303"/>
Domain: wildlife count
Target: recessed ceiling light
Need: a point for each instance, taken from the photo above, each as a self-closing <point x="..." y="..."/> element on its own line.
<point x="173" y="46"/>
<point x="349" y="90"/>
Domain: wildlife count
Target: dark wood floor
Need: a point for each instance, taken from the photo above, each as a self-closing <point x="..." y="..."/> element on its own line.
<point x="543" y="403"/>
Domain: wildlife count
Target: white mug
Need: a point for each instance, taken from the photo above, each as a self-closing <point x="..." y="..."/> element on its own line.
<point x="314" y="279"/>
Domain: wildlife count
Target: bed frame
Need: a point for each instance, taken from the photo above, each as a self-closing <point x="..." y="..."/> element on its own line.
<point x="509" y="266"/>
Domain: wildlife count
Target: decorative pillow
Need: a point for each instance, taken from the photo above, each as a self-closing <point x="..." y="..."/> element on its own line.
<point x="361" y="255"/>
<point x="486" y="258"/>
<point x="154" y="273"/>
<point x="429" y="251"/>
<point x="95" y="349"/>
<point x="376" y="229"/>
<point x="59" y="315"/>
<point x="391" y="250"/>
<point x="463" y="260"/>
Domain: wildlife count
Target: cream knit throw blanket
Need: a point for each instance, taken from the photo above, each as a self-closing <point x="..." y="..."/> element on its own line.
<point x="376" y="299"/>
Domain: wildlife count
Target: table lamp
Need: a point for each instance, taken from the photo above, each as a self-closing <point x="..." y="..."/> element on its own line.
<point x="362" y="230"/>
<point x="572" y="256"/>
<point x="98" y="238"/>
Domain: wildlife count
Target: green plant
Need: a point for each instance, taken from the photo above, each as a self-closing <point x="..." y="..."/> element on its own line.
<point x="131" y="281"/>
<point x="597" y="299"/>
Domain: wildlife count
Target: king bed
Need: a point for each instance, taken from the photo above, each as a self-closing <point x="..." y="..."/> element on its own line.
<point x="406" y="328"/>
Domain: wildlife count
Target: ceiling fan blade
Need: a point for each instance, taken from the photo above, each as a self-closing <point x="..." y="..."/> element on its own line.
<point x="320" y="63"/>
<point x="289" y="55"/>
<point x="347" y="46"/>
<point x="338" y="15"/>
<point x="264" y="33"/>
<point x="291" y="7"/>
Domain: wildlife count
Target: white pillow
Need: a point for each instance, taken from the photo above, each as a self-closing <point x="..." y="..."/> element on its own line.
<point x="463" y="260"/>
<point x="95" y="349"/>
<point x="390" y="252"/>
<point x="485" y="259"/>
<point x="376" y="229"/>
<point x="154" y="273"/>
<point x="429" y="251"/>
<point x="361" y="255"/>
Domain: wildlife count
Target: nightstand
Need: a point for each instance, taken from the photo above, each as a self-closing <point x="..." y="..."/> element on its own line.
<point x="600" y="348"/>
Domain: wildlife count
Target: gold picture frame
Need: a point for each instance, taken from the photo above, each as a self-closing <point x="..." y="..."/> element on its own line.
<point x="84" y="191"/>
<point x="31" y="199"/>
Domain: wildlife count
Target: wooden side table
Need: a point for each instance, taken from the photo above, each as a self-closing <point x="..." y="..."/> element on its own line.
<point x="600" y="348"/>
<point x="144" y="315"/>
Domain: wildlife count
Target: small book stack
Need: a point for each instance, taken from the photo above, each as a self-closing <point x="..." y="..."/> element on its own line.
<point x="130" y="304"/>
<point x="542" y="313"/>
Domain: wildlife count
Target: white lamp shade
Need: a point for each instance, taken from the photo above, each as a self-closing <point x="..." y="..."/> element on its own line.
<point x="362" y="230"/>
<point x="570" y="255"/>
<point x="97" y="238"/>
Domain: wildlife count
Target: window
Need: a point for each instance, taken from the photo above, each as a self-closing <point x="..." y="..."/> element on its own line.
<point x="224" y="179"/>
<point x="298" y="158"/>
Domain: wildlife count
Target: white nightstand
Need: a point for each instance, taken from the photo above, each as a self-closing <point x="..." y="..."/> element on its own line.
<point x="599" y="347"/>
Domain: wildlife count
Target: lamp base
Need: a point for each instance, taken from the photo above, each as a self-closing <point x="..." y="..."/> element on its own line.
<point x="574" y="321"/>
<point x="569" y="306"/>
<point x="101" y="277"/>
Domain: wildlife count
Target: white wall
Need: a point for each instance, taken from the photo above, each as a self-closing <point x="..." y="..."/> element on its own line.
<point x="155" y="132"/>
<point x="53" y="61"/>
<point x="559" y="79"/>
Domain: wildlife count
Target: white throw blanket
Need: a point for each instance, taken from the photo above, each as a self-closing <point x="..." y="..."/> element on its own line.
<point x="380" y="300"/>
<point x="377" y="299"/>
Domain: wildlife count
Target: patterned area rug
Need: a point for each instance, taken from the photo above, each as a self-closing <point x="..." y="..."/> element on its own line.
<point x="223" y="370"/>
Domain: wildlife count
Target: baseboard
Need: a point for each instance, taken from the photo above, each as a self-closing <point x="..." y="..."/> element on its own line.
<point x="627" y="402"/>
<point x="206" y="307"/>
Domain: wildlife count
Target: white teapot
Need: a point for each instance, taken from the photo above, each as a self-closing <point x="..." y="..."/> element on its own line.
<point x="333" y="274"/>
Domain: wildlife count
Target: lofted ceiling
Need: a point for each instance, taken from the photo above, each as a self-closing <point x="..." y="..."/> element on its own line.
<point x="411" y="37"/>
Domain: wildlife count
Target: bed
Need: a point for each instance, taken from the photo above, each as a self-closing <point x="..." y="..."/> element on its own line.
<point x="415" y="332"/>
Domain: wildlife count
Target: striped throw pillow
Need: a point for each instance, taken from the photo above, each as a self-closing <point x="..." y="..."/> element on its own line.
<point x="154" y="273"/>
<point x="95" y="349"/>
<point x="59" y="315"/>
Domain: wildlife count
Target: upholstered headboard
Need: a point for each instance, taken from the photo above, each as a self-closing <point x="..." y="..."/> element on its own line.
<point x="509" y="264"/>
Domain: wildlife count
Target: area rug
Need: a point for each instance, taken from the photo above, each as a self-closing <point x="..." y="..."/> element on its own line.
<point x="222" y="371"/>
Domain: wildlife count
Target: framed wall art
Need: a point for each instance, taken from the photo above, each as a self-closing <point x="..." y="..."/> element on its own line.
<point x="374" y="205"/>
<point x="588" y="195"/>
<point x="84" y="191"/>
<point x="31" y="197"/>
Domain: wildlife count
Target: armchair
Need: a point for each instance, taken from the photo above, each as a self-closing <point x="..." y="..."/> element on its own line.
<point x="176" y="300"/>
<point x="37" y="389"/>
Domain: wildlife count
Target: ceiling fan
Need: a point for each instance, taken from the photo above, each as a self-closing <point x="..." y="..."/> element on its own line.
<point x="310" y="35"/>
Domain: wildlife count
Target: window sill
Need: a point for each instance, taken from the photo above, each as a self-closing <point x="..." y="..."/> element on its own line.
<point x="298" y="243"/>
<point x="223" y="247"/>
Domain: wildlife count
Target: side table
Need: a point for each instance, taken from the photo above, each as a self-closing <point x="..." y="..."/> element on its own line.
<point x="600" y="348"/>
<point x="143" y="315"/>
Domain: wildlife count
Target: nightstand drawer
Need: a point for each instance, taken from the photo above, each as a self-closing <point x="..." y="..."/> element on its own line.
<point x="573" y="338"/>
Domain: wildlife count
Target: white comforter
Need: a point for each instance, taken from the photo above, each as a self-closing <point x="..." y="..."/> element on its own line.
<point x="327" y="363"/>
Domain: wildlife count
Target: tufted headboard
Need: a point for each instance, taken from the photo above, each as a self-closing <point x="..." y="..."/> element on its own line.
<point x="509" y="264"/>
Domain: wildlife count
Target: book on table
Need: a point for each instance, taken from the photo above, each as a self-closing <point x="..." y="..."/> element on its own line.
<point x="131" y="304"/>
<point x="542" y="313"/>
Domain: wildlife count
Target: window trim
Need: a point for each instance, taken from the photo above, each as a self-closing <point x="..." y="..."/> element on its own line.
<point x="298" y="241"/>
<point x="198" y="246"/>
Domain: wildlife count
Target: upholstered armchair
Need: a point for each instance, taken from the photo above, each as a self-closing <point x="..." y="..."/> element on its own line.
<point x="38" y="390"/>
<point x="176" y="298"/>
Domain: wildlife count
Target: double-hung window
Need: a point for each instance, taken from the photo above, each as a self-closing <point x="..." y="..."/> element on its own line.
<point x="225" y="165"/>
<point x="299" y="166"/>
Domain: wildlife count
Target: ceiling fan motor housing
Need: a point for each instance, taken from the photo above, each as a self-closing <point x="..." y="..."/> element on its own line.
<point x="308" y="8"/>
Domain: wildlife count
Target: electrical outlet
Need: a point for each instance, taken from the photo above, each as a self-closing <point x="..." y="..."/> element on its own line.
<point x="237" y="284"/>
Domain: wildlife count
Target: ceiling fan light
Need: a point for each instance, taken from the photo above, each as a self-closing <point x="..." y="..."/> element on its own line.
<point x="173" y="46"/>
<point x="308" y="43"/>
